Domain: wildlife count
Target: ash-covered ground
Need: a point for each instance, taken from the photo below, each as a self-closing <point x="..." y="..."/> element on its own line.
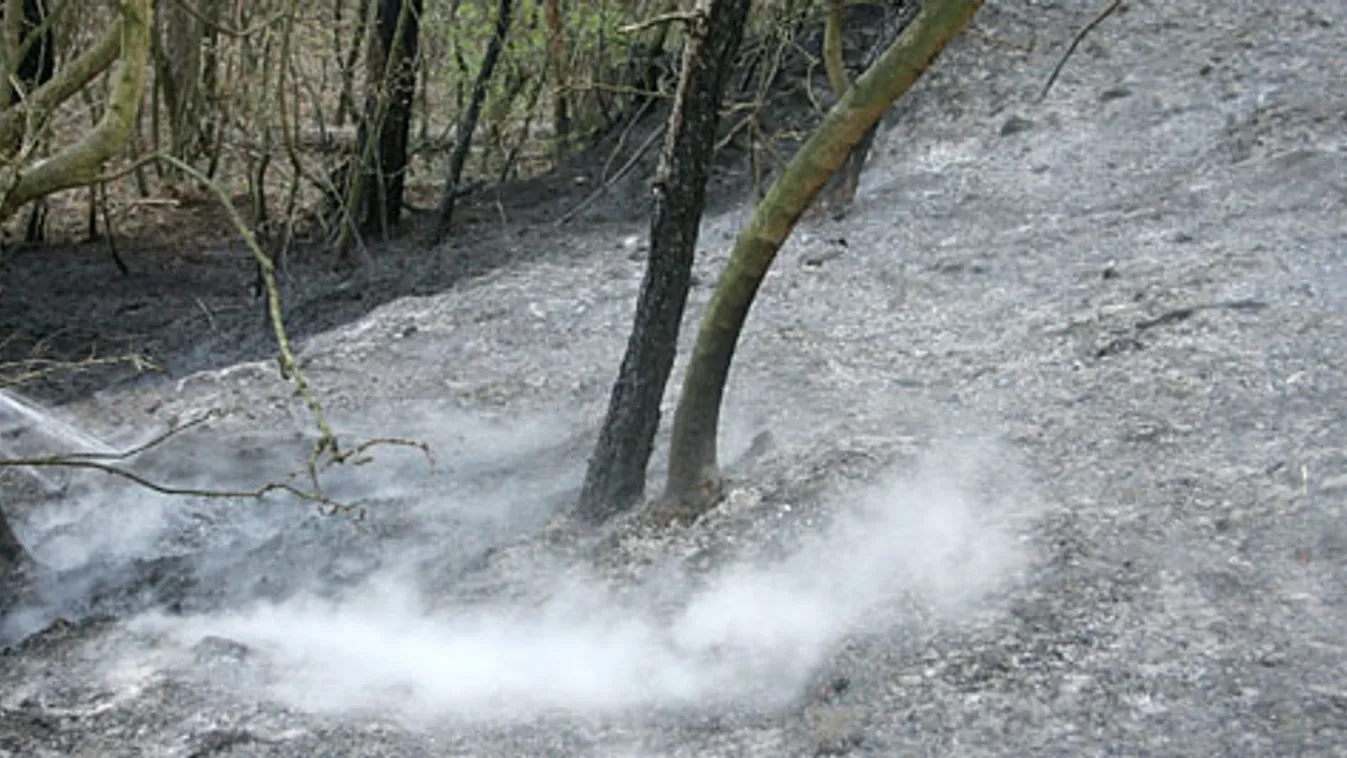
<point x="1058" y="462"/>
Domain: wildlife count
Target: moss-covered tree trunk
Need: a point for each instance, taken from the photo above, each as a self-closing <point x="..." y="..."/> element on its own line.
<point x="615" y="479"/>
<point x="81" y="162"/>
<point x="694" y="475"/>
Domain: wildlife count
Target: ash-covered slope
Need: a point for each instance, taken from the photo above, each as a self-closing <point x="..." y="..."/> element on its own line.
<point x="1059" y="470"/>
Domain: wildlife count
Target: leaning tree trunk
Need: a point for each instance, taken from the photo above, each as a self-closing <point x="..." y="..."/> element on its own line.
<point x="694" y="475"/>
<point x="838" y="194"/>
<point x="615" y="479"/>
<point x="467" y="124"/>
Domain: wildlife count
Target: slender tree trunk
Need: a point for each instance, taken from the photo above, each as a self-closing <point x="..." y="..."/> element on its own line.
<point x="181" y="59"/>
<point x="388" y="113"/>
<point x="840" y="191"/>
<point x="351" y="57"/>
<point x="615" y="479"/>
<point x="556" y="50"/>
<point x="375" y="176"/>
<point x="468" y="124"/>
<point x="694" y="475"/>
<point x="833" y="61"/>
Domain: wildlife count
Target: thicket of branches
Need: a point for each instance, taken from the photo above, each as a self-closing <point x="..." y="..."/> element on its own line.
<point x="268" y="97"/>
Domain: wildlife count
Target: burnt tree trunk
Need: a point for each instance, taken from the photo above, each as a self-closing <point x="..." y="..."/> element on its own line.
<point x="615" y="479"/>
<point x="467" y="124"/>
<point x="388" y="114"/>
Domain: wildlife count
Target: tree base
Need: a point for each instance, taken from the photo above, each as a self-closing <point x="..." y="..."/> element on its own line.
<point x="685" y="507"/>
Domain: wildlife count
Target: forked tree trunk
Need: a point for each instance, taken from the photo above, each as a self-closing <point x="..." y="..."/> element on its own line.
<point x="694" y="475"/>
<point x="81" y="162"/>
<point x="615" y="479"/>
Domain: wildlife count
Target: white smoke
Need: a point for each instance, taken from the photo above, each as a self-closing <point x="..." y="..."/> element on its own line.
<point x="934" y="544"/>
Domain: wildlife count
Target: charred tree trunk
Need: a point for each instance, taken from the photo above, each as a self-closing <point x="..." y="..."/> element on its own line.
<point x="468" y="124"/>
<point x="615" y="479"/>
<point x="386" y="128"/>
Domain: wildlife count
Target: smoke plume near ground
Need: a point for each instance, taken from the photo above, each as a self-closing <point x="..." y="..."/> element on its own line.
<point x="750" y="633"/>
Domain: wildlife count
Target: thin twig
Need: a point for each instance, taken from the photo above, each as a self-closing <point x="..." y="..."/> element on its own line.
<point x="1080" y="35"/>
<point x="686" y="17"/>
<point x="32" y="369"/>
<point x="153" y="442"/>
<point x="621" y="172"/>
<point x="84" y="462"/>
<point x="622" y="138"/>
<point x="327" y="442"/>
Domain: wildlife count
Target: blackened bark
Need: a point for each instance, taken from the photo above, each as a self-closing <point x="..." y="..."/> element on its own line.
<point x="615" y="479"/>
<point x="468" y="124"/>
<point x="388" y="114"/>
<point x="12" y="554"/>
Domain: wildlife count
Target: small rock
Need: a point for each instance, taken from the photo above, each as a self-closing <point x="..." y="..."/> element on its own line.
<point x="818" y="259"/>
<point x="1015" y="125"/>
<point x="1115" y="93"/>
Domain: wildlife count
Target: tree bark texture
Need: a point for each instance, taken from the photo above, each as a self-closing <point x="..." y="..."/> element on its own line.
<point x="615" y="479"/>
<point x="694" y="476"/>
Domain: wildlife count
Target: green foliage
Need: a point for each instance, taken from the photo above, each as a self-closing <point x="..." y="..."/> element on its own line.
<point x="592" y="41"/>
